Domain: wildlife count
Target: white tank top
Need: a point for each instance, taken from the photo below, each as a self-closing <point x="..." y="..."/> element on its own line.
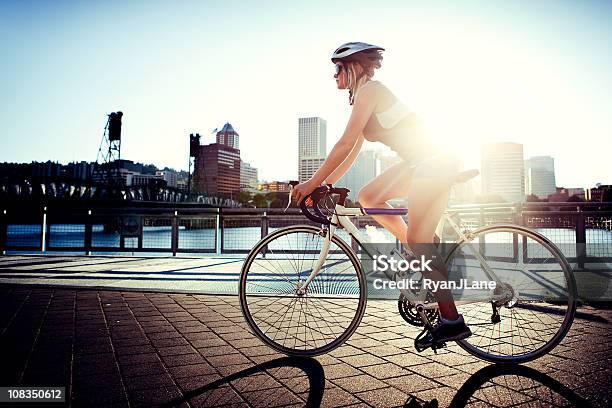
<point x="393" y="115"/>
<point x="400" y="129"/>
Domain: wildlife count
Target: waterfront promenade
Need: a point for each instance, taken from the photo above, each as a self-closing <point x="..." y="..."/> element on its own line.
<point x="212" y="274"/>
<point x="112" y="342"/>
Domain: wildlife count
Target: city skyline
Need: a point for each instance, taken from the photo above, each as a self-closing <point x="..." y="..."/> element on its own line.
<point x="218" y="169"/>
<point x="484" y="77"/>
<point x="544" y="176"/>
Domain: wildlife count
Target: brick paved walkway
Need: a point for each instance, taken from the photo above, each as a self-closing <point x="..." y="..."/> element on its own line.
<point x="114" y="348"/>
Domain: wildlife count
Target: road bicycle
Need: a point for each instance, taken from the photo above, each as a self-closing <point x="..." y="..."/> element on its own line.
<point x="303" y="288"/>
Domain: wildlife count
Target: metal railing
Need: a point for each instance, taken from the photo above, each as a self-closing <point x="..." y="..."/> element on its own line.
<point x="189" y="228"/>
<point x="583" y="231"/>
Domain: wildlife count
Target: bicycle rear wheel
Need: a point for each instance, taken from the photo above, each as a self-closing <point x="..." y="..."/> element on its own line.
<point x="533" y="305"/>
<point x="306" y="324"/>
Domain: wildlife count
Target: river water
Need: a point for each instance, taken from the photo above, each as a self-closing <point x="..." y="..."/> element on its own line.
<point x="239" y="238"/>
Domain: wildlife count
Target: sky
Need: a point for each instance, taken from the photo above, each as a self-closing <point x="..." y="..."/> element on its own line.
<point x="536" y="73"/>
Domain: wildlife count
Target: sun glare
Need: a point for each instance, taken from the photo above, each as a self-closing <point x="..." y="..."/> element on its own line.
<point x="473" y="90"/>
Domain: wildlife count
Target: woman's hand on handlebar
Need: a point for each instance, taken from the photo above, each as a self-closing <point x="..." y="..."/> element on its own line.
<point x="302" y="190"/>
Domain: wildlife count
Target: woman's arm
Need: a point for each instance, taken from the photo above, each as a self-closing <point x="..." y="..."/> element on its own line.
<point x="346" y="164"/>
<point x="365" y="102"/>
<point x="362" y="110"/>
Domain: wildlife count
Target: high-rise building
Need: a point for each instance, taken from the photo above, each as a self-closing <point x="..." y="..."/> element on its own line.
<point x="248" y="176"/>
<point x="170" y="176"/>
<point x="540" y="176"/>
<point x="312" y="140"/>
<point x="363" y="170"/>
<point x="308" y="167"/>
<point x="217" y="170"/>
<point x="503" y="171"/>
<point x="313" y="137"/>
<point x="228" y="136"/>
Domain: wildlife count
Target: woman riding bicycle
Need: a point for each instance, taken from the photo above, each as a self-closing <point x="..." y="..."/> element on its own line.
<point x="424" y="176"/>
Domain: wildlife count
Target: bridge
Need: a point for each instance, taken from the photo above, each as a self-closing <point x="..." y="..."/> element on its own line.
<point x="71" y="190"/>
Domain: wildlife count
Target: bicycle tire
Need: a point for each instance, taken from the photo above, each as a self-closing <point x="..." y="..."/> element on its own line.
<point x="568" y="310"/>
<point x="254" y="322"/>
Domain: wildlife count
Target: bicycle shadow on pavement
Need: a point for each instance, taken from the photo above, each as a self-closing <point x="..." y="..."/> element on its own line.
<point x="253" y="385"/>
<point x="504" y="385"/>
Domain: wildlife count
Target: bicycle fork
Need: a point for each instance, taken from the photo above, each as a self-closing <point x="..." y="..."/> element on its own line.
<point x="329" y="233"/>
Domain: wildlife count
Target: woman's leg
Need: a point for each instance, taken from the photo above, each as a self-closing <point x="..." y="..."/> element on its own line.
<point x="392" y="183"/>
<point x="427" y="188"/>
<point x="428" y="198"/>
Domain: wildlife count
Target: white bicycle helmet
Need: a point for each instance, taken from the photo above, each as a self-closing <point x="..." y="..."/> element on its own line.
<point x="351" y="48"/>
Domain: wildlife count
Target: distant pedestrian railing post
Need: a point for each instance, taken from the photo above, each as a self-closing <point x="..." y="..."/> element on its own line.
<point x="140" y="234"/>
<point x="88" y="233"/>
<point x="580" y="238"/>
<point x="43" y="239"/>
<point x="174" y="233"/>
<point x="217" y="232"/>
<point x="264" y="224"/>
<point x="220" y="233"/>
<point x="3" y="231"/>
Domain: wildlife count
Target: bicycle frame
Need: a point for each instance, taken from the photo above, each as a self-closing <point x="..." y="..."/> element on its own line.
<point x="341" y="218"/>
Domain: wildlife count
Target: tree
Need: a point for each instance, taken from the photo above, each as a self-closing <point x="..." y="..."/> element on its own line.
<point x="244" y="197"/>
<point x="260" y="201"/>
<point x="149" y="169"/>
<point x="271" y="196"/>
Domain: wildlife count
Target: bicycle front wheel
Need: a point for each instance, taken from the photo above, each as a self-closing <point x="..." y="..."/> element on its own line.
<point x="285" y="318"/>
<point x="534" y="302"/>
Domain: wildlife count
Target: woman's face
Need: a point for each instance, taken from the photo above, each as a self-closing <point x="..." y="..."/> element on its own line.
<point x="341" y="76"/>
